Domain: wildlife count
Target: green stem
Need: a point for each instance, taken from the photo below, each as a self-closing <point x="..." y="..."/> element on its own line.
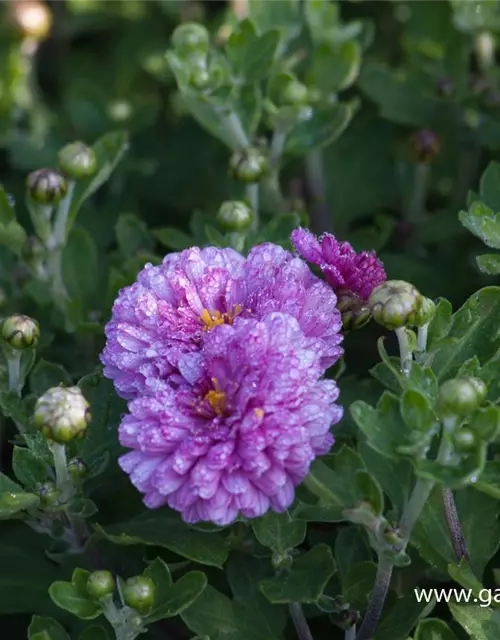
<point x="276" y="151"/>
<point x="421" y="342"/>
<point x="377" y="598"/>
<point x="253" y="198"/>
<point x="14" y="368"/>
<point x="61" y="222"/>
<point x="453" y="522"/>
<point x="300" y="622"/>
<point x="56" y="245"/>
<point x="405" y="351"/>
<point x="417" y="202"/>
<point x="63" y="479"/>
<point x="350" y="634"/>
<point x="238" y="133"/>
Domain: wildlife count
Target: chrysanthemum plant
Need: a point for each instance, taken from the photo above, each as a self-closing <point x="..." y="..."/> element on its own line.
<point x="211" y="479"/>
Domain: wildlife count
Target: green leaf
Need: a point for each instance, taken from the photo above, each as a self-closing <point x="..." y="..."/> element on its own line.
<point x="173" y="238"/>
<point x="489" y="480"/>
<point x="440" y="323"/>
<point x="284" y="15"/>
<point x="489" y="186"/>
<point x="432" y="539"/>
<point x="335" y="68"/>
<point x="489" y="263"/>
<point x="171" y="599"/>
<point x="94" y="632"/>
<point x="13" y="499"/>
<point x="251" y="56"/>
<point x="72" y="596"/>
<point x="212" y="117"/>
<point x="164" y="528"/>
<point x="80" y="266"/>
<point x="48" y="374"/>
<point x="369" y="490"/>
<point x="434" y="629"/>
<point x="475" y="619"/>
<point x="396" y="477"/>
<point x="306" y="579"/>
<point x="320" y="129"/>
<point x="109" y="150"/>
<point x="7" y="212"/>
<point x="30" y="470"/>
<point x="249" y="108"/>
<point x="12" y="406"/>
<point x="358" y="584"/>
<point x="402" y="617"/>
<point x="46" y="629"/>
<point x="483" y="223"/>
<point x="278" y="531"/>
<point x="416" y="411"/>
<point x="462" y="573"/>
<point x="132" y="235"/>
<point x="473" y="332"/>
<point x="13" y="236"/>
<point x="351" y="548"/>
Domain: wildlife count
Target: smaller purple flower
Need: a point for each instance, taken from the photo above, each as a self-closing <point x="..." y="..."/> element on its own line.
<point x="343" y="268"/>
<point x="237" y="429"/>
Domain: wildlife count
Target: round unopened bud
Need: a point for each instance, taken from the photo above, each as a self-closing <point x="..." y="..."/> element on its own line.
<point x="248" y="165"/>
<point x="100" y="584"/>
<point x="48" y="494"/>
<point x="394" y="303"/>
<point x="353" y="310"/>
<point x="20" y="332"/>
<point x="33" y="18"/>
<point x="77" y="160"/>
<point x="46" y="186"/>
<point x="139" y="593"/>
<point x="78" y="469"/>
<point x="234" y="215"/>
<point x="461" y="396"/>
<point x="424" y="146"/>
<point x="425" y="312"/>
<point x="464" y="440"/>
<point x="62" y="414"/>
<point x="294" y="93"/>
<point x="189" y="38"/>
<point x="200" y="78"/>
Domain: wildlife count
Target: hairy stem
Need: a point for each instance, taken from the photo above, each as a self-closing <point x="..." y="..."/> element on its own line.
<point x="300" y="622"/>
<point x="452" y="520"/>
<point x="405" y="351"/>
<point x="321" y="219"/>
<point x="350" y="634"/>
<point x="14" y="368"/>
<point x="253" y="198"/>
<point x="377" y="598"/>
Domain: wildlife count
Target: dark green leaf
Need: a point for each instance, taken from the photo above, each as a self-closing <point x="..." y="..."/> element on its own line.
<point x="48" y="374"/>
<point x="358" y="584"/>
<point x="483" y="222"/>
<point x="7" y="212"/>
<point x="13" y="236"/>
<point x="251" y="56"/>
<point x="95" y="632"/>
<point x="369" y="490"/>
<point x="335" y="68"/>
<point x="80" y="266"/>
<point x="403" y="616"/>
<point x="173" y="238"/>
<point x="30" y="470"/>
<point x="489" y="263"/>
<point x="13" y="499"/>
<point x="306" y="579"/>
<point x="132" y="235"/>
<point x="320" y="130"/>
<point x="46" y="629"/>
<point x="351" y="548"/>
<point x="475" y="619"/>
<point x="433" y="629"/>
<point x="66" y="596"/>
<point x="278" y="532"/>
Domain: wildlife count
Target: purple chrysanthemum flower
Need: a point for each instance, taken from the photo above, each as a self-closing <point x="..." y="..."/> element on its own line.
<point x="171" y="307"/>
<point x="239" y="426"/>
<point x="344" y="269"/>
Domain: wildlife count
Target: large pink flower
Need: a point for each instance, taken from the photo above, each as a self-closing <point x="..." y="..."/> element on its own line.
<point x="237" y="428"/>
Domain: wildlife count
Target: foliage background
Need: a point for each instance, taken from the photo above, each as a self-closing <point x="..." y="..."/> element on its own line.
<point x="103" y="68"/>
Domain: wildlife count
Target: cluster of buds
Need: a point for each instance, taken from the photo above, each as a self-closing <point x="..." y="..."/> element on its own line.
<point x="395" y="304"/>
<point x="191" y="42"/>
<point x="138" y="592"/>
<point x="62" y="414"/>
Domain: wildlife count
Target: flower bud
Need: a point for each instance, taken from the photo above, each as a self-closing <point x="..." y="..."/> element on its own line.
<point x="394" y="303"/>
<point x="461" y="396"/>
<point x="464" y="440"/>
<point x="139" y="593"/>
<point x="353" y="310"/>
<point x="248" y="165"/>
<point x="234" y="215"/>
<point x="20" y="332"/>
<point x="189" y="38"/>
<point x="32" y="18"/>
<point x="294" y="93"/>
<point x="100" y="584"/>
<point x="425" y="312"/>
<point x="46" y="186"/>
<point x="200" y="78"/>
<point x="77" y="160"/>
<point x="62" y="414"/>
<point x="424" y="146"/>
<point x="78" y="469"/>
<point x="48" y="494"/>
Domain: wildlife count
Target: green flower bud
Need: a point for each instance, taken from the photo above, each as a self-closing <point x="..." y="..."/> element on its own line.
<point x="234" y="215"/>
<point x="394" y="303"/>
<point x="32" y="18"/>
<point x="139" y="593"/>
<point x="100" y="584"/>
<point x="20" y="332"/>
<point x="425" y="312"/>
<point x="78" y="469"/>
<point x="62" y="414"/>
<point x="464" y="440"/>
<point x="48" y="494"/>
<point x="77" y="160"/>
<point x="189" y="38"/>
<point x="200" y="78"/>
<point x="248" y="165"/>
<point x="353" y="310"/>
<point x="46" y="186"/>
<point x="461" y="396"/>
<point x="294" y="93"/>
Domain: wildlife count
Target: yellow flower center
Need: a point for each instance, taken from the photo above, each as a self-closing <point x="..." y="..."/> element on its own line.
<point x="212" y="319"/>
<point x="216" y="398"/>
